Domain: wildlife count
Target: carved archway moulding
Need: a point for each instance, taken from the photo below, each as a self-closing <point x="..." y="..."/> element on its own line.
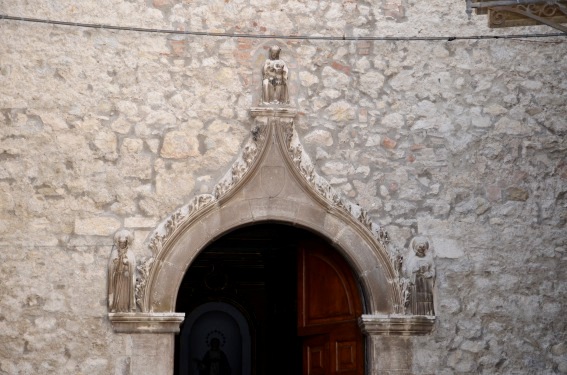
<point x="272" y="180"/>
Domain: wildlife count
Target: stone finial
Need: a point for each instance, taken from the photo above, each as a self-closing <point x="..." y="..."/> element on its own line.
<point x="419" y="269"/>
<point x="122" y="274"/>
<point x="274" y="79"/>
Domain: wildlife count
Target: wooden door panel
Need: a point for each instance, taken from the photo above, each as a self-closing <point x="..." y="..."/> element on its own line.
<point x="320" y="307"/>
<point x="316" y="355"/>
<point x="327" y="291"/>
<point x="345" y="357"/>
<point x="329" y="305"/>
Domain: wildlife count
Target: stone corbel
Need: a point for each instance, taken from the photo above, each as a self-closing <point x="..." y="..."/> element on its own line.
<point x="138" y="322"/>
<point x="396" y="325"/>
<point x="284" y="112"/>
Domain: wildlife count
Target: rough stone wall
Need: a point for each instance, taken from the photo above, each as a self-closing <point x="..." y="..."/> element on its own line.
<point x="462" y="141"/>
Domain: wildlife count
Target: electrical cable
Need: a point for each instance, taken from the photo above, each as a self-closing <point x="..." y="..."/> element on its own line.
<point x="276" y="36"/>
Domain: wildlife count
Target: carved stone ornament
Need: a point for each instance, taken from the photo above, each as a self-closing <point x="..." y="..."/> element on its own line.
<point x="201" y="202"/>
<point x="282" y="123"/>
<point x="419" y="278"/>
<point x="275" y="77"/>
<point x="122" y="274"/>
<point x="274" y="179"/>
<point x="124" y="291"/>
<point x="400" y="325"/>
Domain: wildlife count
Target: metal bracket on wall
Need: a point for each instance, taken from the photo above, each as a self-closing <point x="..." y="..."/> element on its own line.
<point x="511" y="13"/>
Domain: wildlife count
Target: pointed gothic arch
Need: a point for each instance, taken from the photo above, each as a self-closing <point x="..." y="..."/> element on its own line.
<point x="274" y="180"/>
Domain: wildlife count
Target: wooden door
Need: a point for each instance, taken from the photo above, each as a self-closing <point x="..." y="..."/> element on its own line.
<point x="329" y="306"/>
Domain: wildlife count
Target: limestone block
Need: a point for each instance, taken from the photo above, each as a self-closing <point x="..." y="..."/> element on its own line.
<point x="97" y="226"/>
<point x="106" y="143"/>
<point x="153" y="145"/>
<point x="371" y="83"/>
<point x="319" y="137"/>
<point x="336" y="168"/>
<point x="330" y="93"/>
<point x="307" y="79"/>
<point x="228" y="80"/>
<point x="341" y="111"/>
<point x="517" y="194"/>
<point x="495" y="109"/>
<point x="6" y="199"/>
<point x="510" y="126"/>
<point x="173" y="180"/>
<point x="138" y="166"/>
<point x="393" y="121"/>
<point x="121" y="125"/>
<point x="373" y="140"/>
<point x="132" y="145"/>
<point x="139" y="222"/>
<point x="94" y="366"/>
<point x="180" y="145"/>
<point x="447" y="248"/>
<point x="335" y="79"/>
<point x="402" y="81"/>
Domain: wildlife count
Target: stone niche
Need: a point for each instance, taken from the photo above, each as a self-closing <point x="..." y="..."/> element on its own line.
<point x="274" y="180"/>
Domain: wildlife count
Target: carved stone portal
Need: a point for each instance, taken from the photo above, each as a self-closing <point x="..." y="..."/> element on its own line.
<point x="122" y="274"/>
<point x="274" y="180"/>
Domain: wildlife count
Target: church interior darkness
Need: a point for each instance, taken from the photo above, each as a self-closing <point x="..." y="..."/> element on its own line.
<point x="254" y="269"/>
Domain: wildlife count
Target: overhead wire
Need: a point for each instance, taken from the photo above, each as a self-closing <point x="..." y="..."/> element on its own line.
<point x="277" y="36"/>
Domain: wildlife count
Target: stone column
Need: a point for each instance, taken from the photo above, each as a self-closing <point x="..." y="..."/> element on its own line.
<point x="152" y="353"/>
<point x="389" y="341"/>
<point x="389" y="355"/>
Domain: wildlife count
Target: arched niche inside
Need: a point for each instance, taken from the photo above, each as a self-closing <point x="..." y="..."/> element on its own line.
<point x="209" y="321"/>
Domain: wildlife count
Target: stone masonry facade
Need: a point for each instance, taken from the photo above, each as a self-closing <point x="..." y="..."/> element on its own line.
<point x="462" y="141"/>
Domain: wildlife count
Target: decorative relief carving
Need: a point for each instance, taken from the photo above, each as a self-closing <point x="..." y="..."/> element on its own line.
<point x="122" y="274"/>
<point x="141" y="282"/>
<point x="397" y="259"/>
<point x="419" y="274"/>
<point x="321" y="186"/>
<point x="168" y="226"/>
<point x="243" y="163"/>
<point x="273" y="179"/>
<point x="413" y="273"/>
<point x="186" y="213"/>
<point x="274" y="79"/>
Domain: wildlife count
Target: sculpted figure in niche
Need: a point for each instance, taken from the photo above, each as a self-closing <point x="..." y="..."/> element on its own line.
<point x="420" y="271"/>
<point x="274" y="79"/>
<point x="215" y="361"/>
<point x="121" y="274"/>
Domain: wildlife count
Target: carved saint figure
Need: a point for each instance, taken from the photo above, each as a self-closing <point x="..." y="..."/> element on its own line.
<point x="420" y="271"/>
<point x="274" y="79"/>
<point x="214" y="361"/>
<point x="121" y="274"/>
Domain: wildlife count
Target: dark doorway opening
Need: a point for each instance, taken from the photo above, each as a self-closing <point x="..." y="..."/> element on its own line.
<point x="251" y="274"/>
<point x="253" y="269"/>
